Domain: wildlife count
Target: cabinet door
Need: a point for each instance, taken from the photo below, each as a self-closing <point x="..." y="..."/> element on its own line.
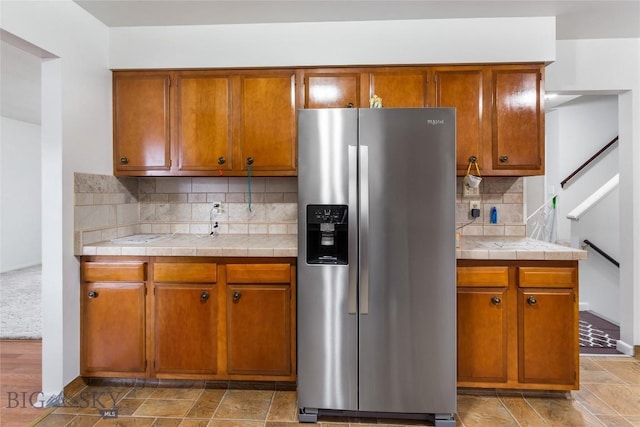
<point x="548" y="336"/>
<point x="327" y="89"/>
<point x="204" y="122"/>
<point x="517" y="144"/>
<point x="112" y="329"/>
<point x="399" y="88"/>
<point x="259" y="329"/>
<point x="464" y="88"/>
<point x="185" y="329"/>
<point x="141" y="122"/>
<point x="266" y="126"/>
<point x="482" y="334"/>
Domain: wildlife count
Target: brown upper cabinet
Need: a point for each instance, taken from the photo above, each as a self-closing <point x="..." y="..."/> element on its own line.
<point x="228" y="122"/>
<point x="517" y="120"/>
<point x="141" y="123"/>
<point x="399" y="87"/>
<point x="205" y="123"/>
<point x="264" y="119"/>
<point x="499" y="116"/>
<point x="353" y="87"/>
<point x="332" y="88"/>
<point x="204" y="141"/>
<point x="464" y="89"/>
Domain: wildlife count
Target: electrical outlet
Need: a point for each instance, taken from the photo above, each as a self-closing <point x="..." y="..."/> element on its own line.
<point x="474" y="208"/>
<point x="470" y="191"/>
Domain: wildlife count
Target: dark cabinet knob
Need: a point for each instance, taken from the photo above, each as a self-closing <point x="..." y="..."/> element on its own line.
<point x="504" y="159"/>
<point x="221" y="160"/>
<point x="350" y="105"/>
<point x="496" y="300"/>
<point x="249" y="160"/>
<point x="532" y="300"/>
<point x="236" y="296"/>
<point x="92" y="294"/>
<point x="473" y="159"/>
<point x="124" y="160"/>
<point x="204" y="296"/>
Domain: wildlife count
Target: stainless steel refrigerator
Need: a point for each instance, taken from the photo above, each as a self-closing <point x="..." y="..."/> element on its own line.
<point x="376" y="263"/>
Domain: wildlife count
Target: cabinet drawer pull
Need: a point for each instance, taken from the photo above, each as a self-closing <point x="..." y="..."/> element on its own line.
<point x="496" y="300"/>
<point x="92" y="294"/>
<point x="124" y="160"/>
<point x="532" y="300"/>
<point x="249" y="160"/>
<point x="504" y="159"/>
<point x="204" y="296"/>
<point x="350" y="105"/>
<point x="236" y="296"/>
<point x="221" y="160"/>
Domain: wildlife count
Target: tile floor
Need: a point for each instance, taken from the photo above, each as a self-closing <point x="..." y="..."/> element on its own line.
<point x="609" y="396"/>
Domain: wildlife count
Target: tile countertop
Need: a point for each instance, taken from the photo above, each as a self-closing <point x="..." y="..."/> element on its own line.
<point x="496" y="247"/>
<point x="286" y="245"/>
<point x="238" y="245"/>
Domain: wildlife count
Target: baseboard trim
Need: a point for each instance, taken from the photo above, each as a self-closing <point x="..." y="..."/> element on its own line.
<point x="624" y="348"/>
<point x="583" y="306"/>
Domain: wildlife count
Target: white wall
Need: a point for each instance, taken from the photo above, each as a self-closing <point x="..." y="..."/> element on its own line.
<point x="577" y="130"/>
<point x="586" y="124"/>
<point x="76" y="136"/>
<point x="336" y="43"/>
<point x="599" y="278"/>
<point x="20" y="240"/>
<point x="613" y="66"/>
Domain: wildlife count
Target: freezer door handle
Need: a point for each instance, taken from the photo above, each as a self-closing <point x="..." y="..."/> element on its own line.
<point x="364" y="229"/>
<point x="353" y="202"/>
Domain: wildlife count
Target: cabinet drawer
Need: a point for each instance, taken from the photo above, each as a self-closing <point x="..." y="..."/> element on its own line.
<point x="114" y="271"/>
<point x="497" y="277"/>
<point x="185" y="272"/>
<point x="541" y="277"/>
<point x="258" y="273"/>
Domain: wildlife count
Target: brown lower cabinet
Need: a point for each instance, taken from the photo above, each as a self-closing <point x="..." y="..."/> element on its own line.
<point x="112" y="325"/>
<point x="518" y="324"/>
<point x="260" y="317"/>
<point x="185" y="318"/>
<point x="188" y="318"/>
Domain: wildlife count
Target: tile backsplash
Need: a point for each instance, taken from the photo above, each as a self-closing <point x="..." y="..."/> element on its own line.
<point x="506" y="194"/>
<point x="186" y="205"/>
<point x="107" y="207"/>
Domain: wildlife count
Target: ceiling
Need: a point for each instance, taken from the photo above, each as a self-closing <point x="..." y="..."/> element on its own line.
<point x="575" y="19"/>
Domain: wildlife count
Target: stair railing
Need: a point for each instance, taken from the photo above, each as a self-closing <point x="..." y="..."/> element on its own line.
<point x="591" y="159"/>
<point x="589" y="202"/>
<point x="601" y="252"/>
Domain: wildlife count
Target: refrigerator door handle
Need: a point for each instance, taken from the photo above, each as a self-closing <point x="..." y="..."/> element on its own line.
<point x="364" y="229"/>
<point x="353" y="236"/>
